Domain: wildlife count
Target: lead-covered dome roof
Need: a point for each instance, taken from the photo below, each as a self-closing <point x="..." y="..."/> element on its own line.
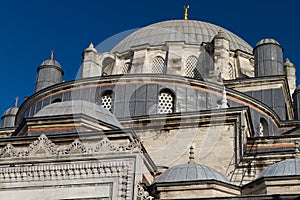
<point x="290" y="167"/>
<point x="190" y="172"/>
<point x="11" y="112"/>
<point x="79" y="107"/>
<point x="188" y="31"/>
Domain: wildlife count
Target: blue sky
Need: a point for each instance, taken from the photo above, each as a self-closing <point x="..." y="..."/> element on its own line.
<point x="31" y="29"/>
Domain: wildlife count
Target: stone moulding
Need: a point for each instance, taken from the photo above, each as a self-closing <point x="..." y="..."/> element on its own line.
<point x="121" y="171"/>
<point x="44" y="146"/>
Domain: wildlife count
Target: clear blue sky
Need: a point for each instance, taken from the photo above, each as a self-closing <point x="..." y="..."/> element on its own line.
<point x="31" y="29"/>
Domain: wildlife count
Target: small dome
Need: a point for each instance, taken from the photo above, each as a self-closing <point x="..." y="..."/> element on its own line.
<point x="267" y="41"/>
<point x="8" y="117"/>
<point x="10" y="112"/>
<point x="190" y="172"/>
<point x="79" y="107"/>
<point x="51" y="61"/>
<point x="188" y="31"/>
<point x="288" y="167"/>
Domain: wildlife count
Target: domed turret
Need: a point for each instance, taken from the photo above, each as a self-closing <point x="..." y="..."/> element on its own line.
<point x="48" y="73"/>
<point x="268" y="58"/>
<point x="8" y="117"/>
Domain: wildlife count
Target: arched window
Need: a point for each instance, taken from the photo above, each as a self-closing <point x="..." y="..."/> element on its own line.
<point x="192" y="68"/>
<point x="126" y="68"/>
<point x="166" y="102"/>
<point x="158" y="65"/>
<point x="263" y="128"/>
<point x="107" y="66"/>
<point x="56" y="100"/>
<point x="106" y="100"/>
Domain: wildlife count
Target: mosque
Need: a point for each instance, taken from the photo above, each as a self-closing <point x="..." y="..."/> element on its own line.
<point x="179" y="109"/>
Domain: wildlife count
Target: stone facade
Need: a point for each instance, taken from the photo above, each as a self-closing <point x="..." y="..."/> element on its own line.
<point x="180" y="109"/>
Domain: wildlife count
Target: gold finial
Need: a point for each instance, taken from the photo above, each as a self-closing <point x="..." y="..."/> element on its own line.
<point x="52" y="54"/>
<point x="17" y="101"/>
<point x="186" y="9"/>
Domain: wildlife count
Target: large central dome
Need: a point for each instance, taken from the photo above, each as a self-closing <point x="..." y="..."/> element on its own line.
<point x="188" y="31"/>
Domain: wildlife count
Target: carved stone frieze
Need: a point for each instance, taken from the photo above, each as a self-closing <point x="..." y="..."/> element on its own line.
<point x="44" y="146"/>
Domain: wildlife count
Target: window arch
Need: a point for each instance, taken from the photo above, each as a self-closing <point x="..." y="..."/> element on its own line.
<point x="166" y="102"/>
<point x="192" y="68"/>
<point x="158" y="65"/>
<point x="263" y="129"/>
<point x="106" y="100"/>
<point x="57" y="100"/>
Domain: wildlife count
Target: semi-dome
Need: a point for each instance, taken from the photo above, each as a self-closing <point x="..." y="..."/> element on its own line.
<point x="190" y="172"/>
<point x="290" y="167"/>
<point x="188" y="31"/>
<point x="79" y="107"/>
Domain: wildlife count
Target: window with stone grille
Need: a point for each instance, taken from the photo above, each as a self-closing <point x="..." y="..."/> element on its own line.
<point x="158" y="65"/>
<point x="191" y="67"/>
<point x="126" y="68"/>
<point x="166" y="102"/>
<point x="106" y="100"/>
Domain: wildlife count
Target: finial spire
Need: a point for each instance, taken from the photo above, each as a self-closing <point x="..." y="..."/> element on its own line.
<point x="91" y="48"/>
<point x="186" y="10"/>
<point x="91" y="45"/>
<point x="191" y="157"/>
<point x="224" y="99"/>
<point x="297" y="151"/>
<point x="16" y="101"/>
<point x="52" y="54"/>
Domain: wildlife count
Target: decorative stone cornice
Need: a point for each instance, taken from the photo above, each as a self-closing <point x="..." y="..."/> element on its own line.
<point x="44" y="146"/>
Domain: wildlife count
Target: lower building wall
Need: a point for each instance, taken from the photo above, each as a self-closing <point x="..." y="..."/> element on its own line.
<point x="204" y="190"/>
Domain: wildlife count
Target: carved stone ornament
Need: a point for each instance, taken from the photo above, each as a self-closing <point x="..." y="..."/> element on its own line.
<point x="142" y="193"/>
<point x="44" y="146"/>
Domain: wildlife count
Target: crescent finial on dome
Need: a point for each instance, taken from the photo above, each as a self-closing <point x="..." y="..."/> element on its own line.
<point x="186" y="9"/>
